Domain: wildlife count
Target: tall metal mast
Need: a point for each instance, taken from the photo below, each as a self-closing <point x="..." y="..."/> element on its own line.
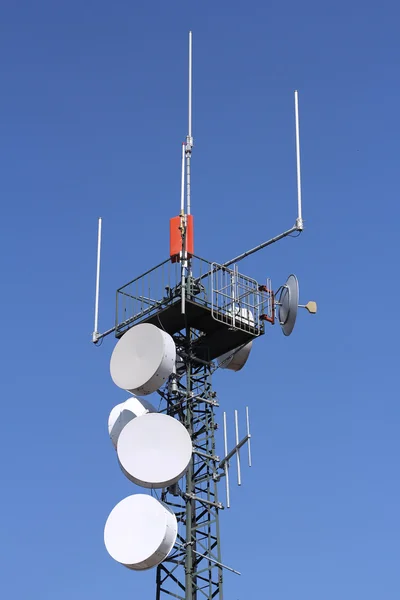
<point x="195" y="570"/>
<point x="212" y="313"/>
<point x="185" y="210"/>
<point x="189" y="137"/>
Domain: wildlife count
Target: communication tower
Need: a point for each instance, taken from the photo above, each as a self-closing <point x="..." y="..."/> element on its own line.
<point x="175" y="325"/>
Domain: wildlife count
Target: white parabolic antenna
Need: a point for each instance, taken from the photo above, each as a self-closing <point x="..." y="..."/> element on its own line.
<point x="288" y="304"/>
<point x="235" y="359"/>
<point x="125" y="412"/>
<point x="140" y="532"/>
<point x="154" y="450"/>
<point x="143" y="359"/>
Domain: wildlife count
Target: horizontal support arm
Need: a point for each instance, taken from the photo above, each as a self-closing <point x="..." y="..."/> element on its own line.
<point x="261" y="246"/>
<point x="216" y="562"/>
<point x="100" y="336"/>
<point x="234" y="450"/>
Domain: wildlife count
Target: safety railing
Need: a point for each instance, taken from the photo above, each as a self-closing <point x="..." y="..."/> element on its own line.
<point x="232" y="298"/>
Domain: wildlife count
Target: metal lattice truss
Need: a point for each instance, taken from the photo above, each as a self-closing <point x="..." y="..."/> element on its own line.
<point x="194" y="570"/>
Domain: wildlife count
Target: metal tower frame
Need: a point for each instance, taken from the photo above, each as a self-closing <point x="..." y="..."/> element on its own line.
<point x="216" y="321"/>
<point x="194" y="570"/>
<point x="210" y="310"/>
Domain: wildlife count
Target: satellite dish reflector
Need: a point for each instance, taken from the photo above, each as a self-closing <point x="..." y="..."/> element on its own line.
<point x="235" y="359"/>
<point x="154" y="450"/>
<point x="140" y="532"/>
<point x="143" y="359"/>
<point x="125" y="412"/>
<point x="288" y="304"/>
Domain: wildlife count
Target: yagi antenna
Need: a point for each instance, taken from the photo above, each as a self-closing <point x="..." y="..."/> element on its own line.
<point x="95" y="335"/>
<point x="224" y="463"/>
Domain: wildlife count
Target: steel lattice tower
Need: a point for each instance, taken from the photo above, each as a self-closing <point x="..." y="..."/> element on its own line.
<point x="194" y="570"/>
<point x="200" y="320"/>
<point x="210" y="310"/>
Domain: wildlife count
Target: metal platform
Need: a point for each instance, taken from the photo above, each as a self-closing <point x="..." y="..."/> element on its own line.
<point x="222" y="305"/>
<point x="218" y="337"/>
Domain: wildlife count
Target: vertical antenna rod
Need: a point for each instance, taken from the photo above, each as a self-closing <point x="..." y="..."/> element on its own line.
<point x="183" y="182"/>
<point x="239" y="476"/>
<point x="96" y="303"/>
<point x="187" y="150"/>
<point x="248" y="434"/>
<point x="226" y="465"/>
<point x="190" y="87"/>
<point x="189" y="138"/>
<point x="299" y="221"/>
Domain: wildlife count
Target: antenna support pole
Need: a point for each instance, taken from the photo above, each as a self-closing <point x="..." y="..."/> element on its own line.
<point x="299" y="220"/>
<point x="188" y="154"/>
<point x="234" y="450"/>
<point x="189" y="137"/>
<point x="183" y="182"/>
<point x="190" y="88"/>
<point x="95" y="335"/>
<point x="261" y="246"/>
<point x="183" y="233"/>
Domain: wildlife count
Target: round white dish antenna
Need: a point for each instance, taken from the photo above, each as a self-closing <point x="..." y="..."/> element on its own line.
<point x="154" y="450"/>
<point x="288" y="304"/>
<point x="235" y="359"/>
<point x="140" y="532"/>
<point x="143" y="359"/>
<point x="125" y="412"/>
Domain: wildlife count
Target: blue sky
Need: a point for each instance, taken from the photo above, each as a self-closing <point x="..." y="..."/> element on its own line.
<point x="92" y="114"/>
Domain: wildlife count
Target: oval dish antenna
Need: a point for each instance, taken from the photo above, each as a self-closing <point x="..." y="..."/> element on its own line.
<point x="288" y="304"/>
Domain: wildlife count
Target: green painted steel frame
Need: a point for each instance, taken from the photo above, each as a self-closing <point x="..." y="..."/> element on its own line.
<point x="191" y="572"/>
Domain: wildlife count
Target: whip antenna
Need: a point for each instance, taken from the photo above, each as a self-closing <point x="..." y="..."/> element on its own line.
<point x="189" y="138"/>
<point x="299" y="221"/>
<point x="95" y="335"/>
